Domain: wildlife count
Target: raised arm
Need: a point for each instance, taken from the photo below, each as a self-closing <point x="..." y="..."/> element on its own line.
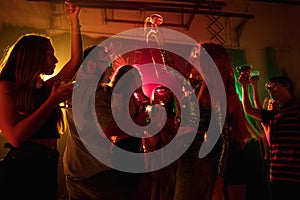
<point x="256" y="100"/>
<point x="254" y="112"/>
<point x="70" y="68"/>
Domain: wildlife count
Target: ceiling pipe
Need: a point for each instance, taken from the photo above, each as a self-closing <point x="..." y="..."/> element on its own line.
<point x="157" y="7"/>
<point x="288" y="2"/>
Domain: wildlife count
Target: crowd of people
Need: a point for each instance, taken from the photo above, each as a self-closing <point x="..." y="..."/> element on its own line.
<point x="34" y="120"/>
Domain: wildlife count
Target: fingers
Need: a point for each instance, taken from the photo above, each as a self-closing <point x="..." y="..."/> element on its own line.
<point x="71" y="7"/>
<point x="120" y="61"/>
<point x="244" y="78"/>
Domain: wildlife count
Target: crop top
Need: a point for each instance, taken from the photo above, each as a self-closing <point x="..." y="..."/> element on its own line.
<point x="50" y="128"/>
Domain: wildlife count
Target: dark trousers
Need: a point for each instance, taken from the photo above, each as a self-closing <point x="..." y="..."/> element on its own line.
<point x="29" y="172"/>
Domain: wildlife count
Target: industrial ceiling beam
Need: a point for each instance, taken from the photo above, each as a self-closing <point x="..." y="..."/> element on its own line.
<point x="206" y="8"/>
<point x="288" y="2"/>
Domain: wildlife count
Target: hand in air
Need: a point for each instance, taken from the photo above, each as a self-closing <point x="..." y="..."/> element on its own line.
<point x="72" y="10"/>
<point x="244" y="78"/>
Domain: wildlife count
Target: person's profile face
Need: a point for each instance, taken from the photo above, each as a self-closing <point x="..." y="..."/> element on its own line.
<point x="272" y="89"/>
<point x="51" y="61"/>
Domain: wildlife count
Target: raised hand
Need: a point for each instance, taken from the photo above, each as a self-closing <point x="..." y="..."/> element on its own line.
<point x="244" y="78"/>
<point x="72" y="11"/>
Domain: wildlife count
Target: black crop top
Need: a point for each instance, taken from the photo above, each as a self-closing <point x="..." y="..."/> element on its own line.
<point x="50" y="128"/>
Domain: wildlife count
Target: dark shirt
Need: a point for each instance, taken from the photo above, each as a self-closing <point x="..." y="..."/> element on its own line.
<point x="50" y="128"/>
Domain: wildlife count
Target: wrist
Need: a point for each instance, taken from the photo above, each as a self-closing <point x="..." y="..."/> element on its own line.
<point x="74" y="22"/>
<point x="52" y="101"/>
<point x="76" y="26"/>
<point x="245" y="85"/>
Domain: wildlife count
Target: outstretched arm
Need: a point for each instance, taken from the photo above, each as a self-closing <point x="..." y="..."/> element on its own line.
<point x="254" y="112"/>
<point x="70" y="68"/>
<point x="256" y="100"/>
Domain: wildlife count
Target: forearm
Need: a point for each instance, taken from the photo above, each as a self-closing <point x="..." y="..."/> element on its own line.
<point x="76" y="45"/>
<point x="71" y="67"/>
<point x="245" y="99"/>
<point x="256" y="99"/>
<point x="76" y="41"/>
<point x="22" y="130"/>
<point x="254" y="112"/>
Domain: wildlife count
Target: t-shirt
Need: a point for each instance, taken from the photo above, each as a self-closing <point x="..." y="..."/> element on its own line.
<point x="284" y="142"/>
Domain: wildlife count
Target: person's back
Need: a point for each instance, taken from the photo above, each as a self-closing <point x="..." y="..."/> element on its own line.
<point x="76" y="156"/>
<point x="86" y="176"/>
<point x="79" y="163"/>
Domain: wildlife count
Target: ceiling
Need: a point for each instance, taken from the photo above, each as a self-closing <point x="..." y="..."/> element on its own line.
<point x="104" y="18"/>
<point x="49" y="14"/>
<point x="109" y="17"/>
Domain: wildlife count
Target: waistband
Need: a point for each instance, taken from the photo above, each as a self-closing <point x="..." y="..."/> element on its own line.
<point x="33" y="147"/>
